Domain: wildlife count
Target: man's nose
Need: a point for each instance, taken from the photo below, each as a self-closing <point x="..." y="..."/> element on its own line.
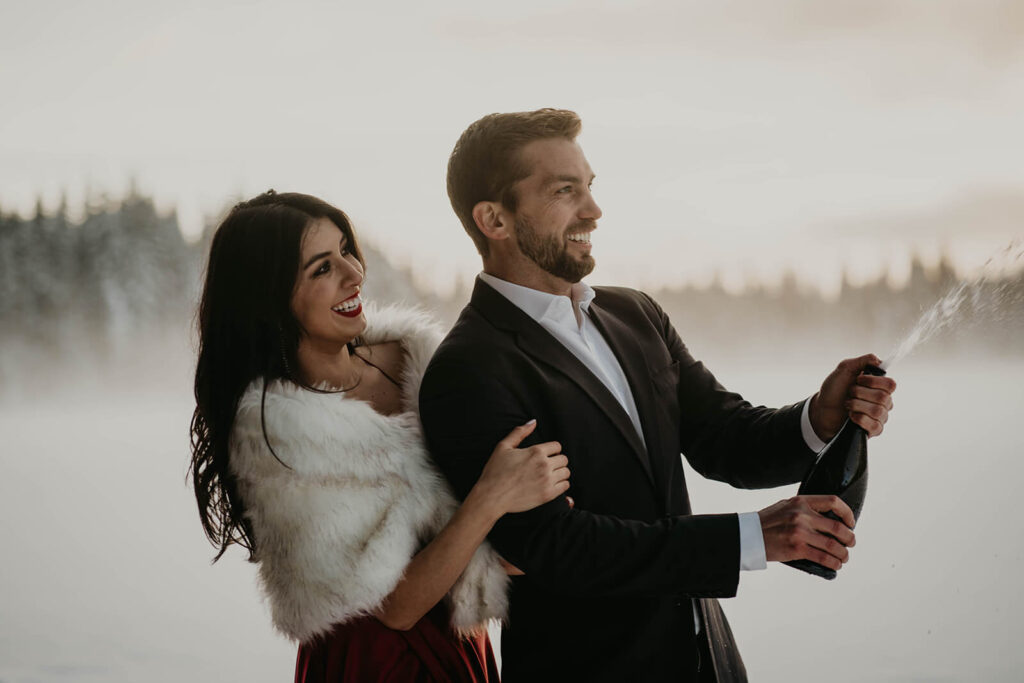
<point x="590" y="210"/>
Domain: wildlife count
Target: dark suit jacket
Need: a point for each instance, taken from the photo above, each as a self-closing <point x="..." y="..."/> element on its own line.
<point x="606" y="595"/>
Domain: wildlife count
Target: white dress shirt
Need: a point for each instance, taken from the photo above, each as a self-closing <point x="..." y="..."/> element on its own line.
<point x="567" y="320"/>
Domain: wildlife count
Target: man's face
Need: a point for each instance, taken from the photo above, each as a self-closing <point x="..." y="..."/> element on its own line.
<point x="556" y="211"/>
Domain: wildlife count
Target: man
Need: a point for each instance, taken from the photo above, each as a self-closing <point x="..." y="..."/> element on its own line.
<point x="619" y="587"/>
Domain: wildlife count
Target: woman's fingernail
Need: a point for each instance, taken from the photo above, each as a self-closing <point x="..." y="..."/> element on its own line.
<point x="533" y="421"/>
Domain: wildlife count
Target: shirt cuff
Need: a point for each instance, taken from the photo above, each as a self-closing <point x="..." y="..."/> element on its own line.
<point x="810" y="438"/>
<point x="752" y="553"/>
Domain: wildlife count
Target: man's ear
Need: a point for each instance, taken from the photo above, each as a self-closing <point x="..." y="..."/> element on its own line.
<point x="492" y="220"/>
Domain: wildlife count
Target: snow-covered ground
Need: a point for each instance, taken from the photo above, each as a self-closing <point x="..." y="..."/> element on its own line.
<point x="105" y="573"/>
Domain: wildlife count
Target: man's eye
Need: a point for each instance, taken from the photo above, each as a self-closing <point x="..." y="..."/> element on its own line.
<point x="565" y="190"/>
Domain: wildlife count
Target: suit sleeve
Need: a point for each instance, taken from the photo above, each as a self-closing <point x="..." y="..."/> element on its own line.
<point x="466" y="412"/>
<point x="723" y="436"/>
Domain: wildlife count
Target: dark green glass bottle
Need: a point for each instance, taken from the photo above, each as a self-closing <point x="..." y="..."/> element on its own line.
<point x="841" y="469"/>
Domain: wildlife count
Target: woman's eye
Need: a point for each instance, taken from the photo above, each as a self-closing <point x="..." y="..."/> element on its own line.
<point x="324" y="268"/>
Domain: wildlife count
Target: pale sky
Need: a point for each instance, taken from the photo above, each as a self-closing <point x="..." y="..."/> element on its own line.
<point x="741" y="138"/>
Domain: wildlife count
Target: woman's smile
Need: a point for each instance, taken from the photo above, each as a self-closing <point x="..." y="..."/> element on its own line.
<point x="350" y="307"/>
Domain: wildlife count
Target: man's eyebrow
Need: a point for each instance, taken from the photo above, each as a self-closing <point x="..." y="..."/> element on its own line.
<point x="550" y="180"/>
<point x="315" y="258"/>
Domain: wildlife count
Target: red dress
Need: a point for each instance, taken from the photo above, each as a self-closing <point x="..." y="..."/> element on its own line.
<point x="366" y="650"/>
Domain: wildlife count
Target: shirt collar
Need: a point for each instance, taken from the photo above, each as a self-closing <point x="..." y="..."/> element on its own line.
<point x="538" y="304"/>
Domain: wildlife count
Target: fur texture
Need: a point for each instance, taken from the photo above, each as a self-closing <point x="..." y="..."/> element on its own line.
<point x="335" y="532"/>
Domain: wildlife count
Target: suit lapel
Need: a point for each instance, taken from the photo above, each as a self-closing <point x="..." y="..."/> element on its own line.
<point x="633" y="360"/>
<point x="538" y="343"/>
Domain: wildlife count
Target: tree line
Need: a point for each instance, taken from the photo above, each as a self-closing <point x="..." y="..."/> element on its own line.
<point x="98" y="283"/>
<point x="123" y="275"/>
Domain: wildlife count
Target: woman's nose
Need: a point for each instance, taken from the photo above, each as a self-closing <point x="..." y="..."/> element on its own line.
<point x="351" y="272"/>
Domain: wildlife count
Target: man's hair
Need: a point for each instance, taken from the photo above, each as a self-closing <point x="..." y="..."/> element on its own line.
<point x="486" y="163"/>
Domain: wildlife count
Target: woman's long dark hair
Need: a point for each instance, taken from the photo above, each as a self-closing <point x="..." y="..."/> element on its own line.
<point x="246" y="331"/>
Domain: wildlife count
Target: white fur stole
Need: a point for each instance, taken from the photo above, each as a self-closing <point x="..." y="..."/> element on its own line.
<point x="359" y="497"/>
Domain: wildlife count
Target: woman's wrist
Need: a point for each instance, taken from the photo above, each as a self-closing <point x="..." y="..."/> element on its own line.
<point x="483" y="501"/>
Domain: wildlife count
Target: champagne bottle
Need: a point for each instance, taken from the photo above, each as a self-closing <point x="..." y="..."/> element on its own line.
<point x="841" y="469"/>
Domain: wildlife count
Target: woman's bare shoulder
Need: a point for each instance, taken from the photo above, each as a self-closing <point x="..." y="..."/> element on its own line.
<point x="389" y="356"/>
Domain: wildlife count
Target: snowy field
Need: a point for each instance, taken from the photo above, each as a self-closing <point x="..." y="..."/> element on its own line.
<point x="105" y="574"/>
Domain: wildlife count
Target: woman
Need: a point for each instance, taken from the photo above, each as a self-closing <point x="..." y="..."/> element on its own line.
<point x="307" y="451"/>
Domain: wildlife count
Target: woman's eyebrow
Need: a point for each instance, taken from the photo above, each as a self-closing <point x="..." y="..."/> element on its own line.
<point x="316" y="258"/>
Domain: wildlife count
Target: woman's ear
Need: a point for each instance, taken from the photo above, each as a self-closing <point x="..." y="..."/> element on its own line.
<point x="492" y="220"/>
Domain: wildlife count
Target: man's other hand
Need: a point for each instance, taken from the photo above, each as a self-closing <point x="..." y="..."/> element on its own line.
<point x="865" y="399"/>
<point x="796" y="529"/>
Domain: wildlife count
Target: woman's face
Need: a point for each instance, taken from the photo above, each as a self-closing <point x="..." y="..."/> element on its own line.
<point x="326" y="300"/>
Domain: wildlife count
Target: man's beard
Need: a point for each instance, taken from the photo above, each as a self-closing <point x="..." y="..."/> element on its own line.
<point x="551" y="253"/>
